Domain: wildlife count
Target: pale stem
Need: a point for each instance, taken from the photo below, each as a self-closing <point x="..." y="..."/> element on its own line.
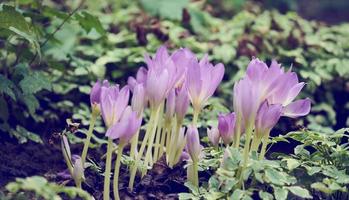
<point x="264" y="145"/>
<point x="256" y="141"/>
<point x="195" y="175"/>
<point x="148" y="156"/>
<point x="106" y="190"/>
<point x="238" y="133"/>
<point x="141" y="150"/>
<point x="134" y="142"/>
<point x="196" y="116"/>
<point x="158" y="134"/>
<point x="117" y="170"/>
<point x="174" y="144"/>
<point x="88" y="136"/>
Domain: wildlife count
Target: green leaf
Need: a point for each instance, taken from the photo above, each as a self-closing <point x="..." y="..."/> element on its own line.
<point x="274" y="176"/>
<point x="23" y="135"/>
<point x="291" y="163"/>
<point x="10" y="17"/>
<point x="31" y="102"/>
<point x="321" y="187"/>
<point x="7" y="87"/>
<point x="280" y="193"/>
<point x="165" y="8"/>
<point x="237" y="194"/>
<point x="299" y="191"/>
<point x="265" y="195"/>
<point x="89" y="22"/>
<point x="34" y="82"/>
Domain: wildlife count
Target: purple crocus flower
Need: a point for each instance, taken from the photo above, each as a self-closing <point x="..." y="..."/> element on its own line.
<point x="193" y="143"/>
<point x="213" y="135"/>
<point x="182" y="59"/>
<point x="267" y="117"/>
<point x="246" y="101"/>
<point x="126" y="127"/>
<point x="182" y="103"/>
<point x="162" y="76"/>
<point x="113" y="103"/>
<point x="95" y="94"/>
<point x="202" y="80"/>
<point x="226" y="126"/>
<point x="278" y="87"/>
<point x="141" y="77"/>
<point x="286" y="91"/>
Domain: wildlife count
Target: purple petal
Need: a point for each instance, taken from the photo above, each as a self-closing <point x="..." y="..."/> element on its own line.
<point x="256" y="70"/>
<point x="298" y="108"/>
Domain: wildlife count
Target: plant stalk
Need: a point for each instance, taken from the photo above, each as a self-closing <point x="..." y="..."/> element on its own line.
<point x="116" y="171"/>
<point x="106" y="191"/>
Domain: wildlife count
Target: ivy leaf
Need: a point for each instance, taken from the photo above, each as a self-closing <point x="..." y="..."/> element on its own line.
<point x="299" y="191"/>
<point x="165" y="8"/>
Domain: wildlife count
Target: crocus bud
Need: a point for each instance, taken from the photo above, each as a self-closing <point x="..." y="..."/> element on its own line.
<point x="267" y="117"/>
<point x="78" y="172"/>
<point x="95" y="94"/>
<point x="202" y="80"/>
<point x="182" y="103"/>
<point x="193" y="143"/>
<point x="113" y="103"/>
<point x="126" y="127"/>
<point x="140" y="78"/>
<point x="170" y="105"/>
<point x="226" y="126"/>
<point x="213" y="136"/>
<point x="138" y="99"/>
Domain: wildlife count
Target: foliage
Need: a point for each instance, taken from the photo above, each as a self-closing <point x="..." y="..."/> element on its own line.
<point x="42" y="188"/>
<point x="320" y="162"/>
<point x="319" y="167"/>
<point x="264" y="178"/>
<point x="74" y="48"/>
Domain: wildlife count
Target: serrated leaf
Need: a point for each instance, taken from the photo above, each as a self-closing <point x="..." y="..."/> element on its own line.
<point x="34" y="82"/>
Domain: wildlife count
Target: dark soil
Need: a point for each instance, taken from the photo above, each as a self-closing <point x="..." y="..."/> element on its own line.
<point x="24" y="160"/>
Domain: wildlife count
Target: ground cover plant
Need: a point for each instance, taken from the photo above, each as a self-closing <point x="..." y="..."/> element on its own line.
<point x="172" y="99"/>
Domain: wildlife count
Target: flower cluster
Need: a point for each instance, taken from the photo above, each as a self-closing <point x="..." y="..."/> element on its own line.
<point x="166" y="87"/>
<point x="260" y="98"/>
